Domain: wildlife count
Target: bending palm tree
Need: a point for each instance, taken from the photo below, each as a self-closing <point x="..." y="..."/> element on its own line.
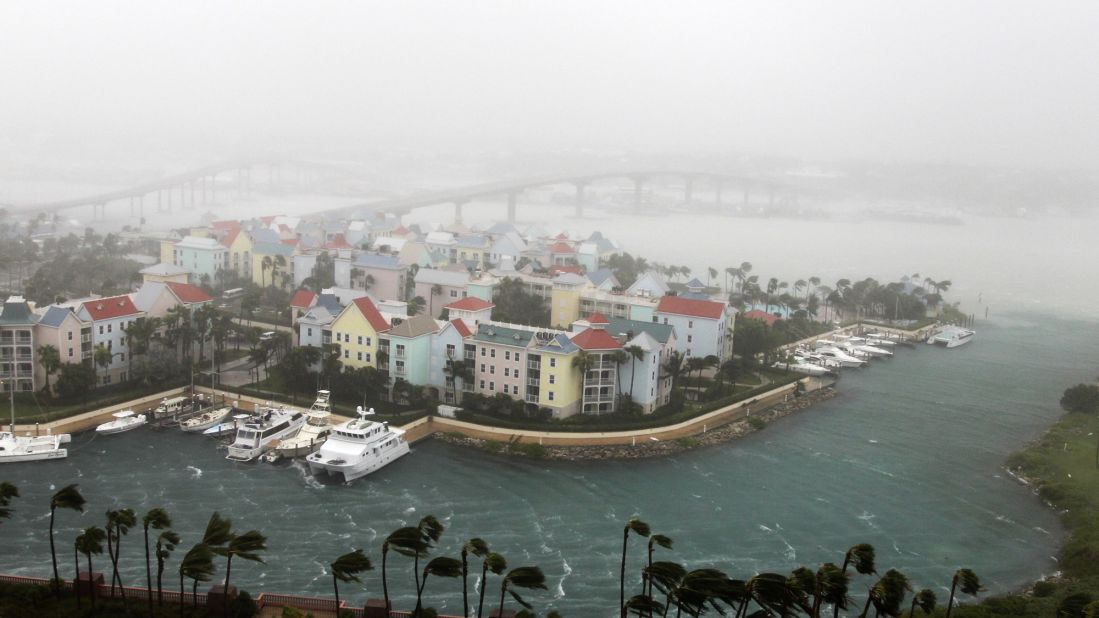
<point x="887" y="594"/>
<point x="497" y="564"/>
<point x="925" y="600"/>
<point x="89" y="542"/>
<point x="405" y="541"/>
<point x="971" y="585"/>
<point x="665" y="576"/>
<point x="830" y="587"/>
<point x="247" y="546"/>
<point x="430" y="530"/>
<point x="440" y="566"/>
<point x="197" y="565"/>
<point x="118" y="524"/>
<point x="165" y="542"/>
<point x="656" y="539"/>
<point x="7" y="492"/>
<point x="156" y="519"/>
<point x="68" y="497"/>
<point x="638" y="354"/>
<point x="346" y="569"/>
<point x="860" y="556"/>
<point x="477" y="547"/>
<point x="638" y="527"/>
<point x="529" y="577"/>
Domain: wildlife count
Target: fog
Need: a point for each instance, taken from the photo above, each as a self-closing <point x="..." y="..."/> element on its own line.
<point x="1008" y="84"/>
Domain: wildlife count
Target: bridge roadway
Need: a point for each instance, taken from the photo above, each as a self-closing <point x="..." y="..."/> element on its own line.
<point x="457" y="196"/>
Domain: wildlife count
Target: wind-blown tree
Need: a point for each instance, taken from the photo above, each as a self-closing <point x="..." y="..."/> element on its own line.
<point x="887" y="595"/>
<point x="246" y="546"/>
<point x="860" y="556"/>
<point x="656" y="539"/>
<point x="440" y="566"/>
<point x="969" y="582"/>
<point x="50" y="359"/>
<point x="703" y="588"/>
<point x="925" y="600"/>
<point x="7" y="492"/>
<point x="68" y="497"/>
<point x="477" y="547"/>
<point x="830" y="587"/>
<point x="673" y="366"/>
<point x="526" y="577"/>
<point x="640" y="528"/>
<point x="637" y="353"/>
<point x="346" y="569"/>
<point x="497" y="564"/>
<point x="157" y="519"/>
<point x="665" y="576"/>
<point x="89" y="542"/>
<point x="406" y="541"/>
<point x="118" y="524"/>
<point x="198" y="566"/>
<point x="166" y="542"/>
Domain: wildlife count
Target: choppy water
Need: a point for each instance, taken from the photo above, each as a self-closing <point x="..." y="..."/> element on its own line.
<point x="907" y="458"/>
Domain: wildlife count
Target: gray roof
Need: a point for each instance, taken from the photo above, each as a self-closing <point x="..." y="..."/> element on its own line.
<point x="597" y="277"/>
<point x="263" y="234"/>
<point x="17" y="312"/>
<point x="442" y="277"/>
<point x="695" y="284"/>
<point x="164" y="270"/>
<point x="54" y="316"/>
<point x="373" y="260"/>
<point x="330" y="302"/>
<point x="472" y="241"/>
<point x="559" y="344"/>
<point x="623" y="326"/>
<point x="273" y="248"/>
<point x="147" y="295"/>
<point x="414" y="326"/>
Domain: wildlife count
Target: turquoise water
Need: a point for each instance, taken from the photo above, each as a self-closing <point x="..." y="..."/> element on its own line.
<point x="907" y="458"/>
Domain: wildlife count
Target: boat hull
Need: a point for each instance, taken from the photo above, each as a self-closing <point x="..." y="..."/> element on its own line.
<point x="351" y="472"/>
<point x="104" y="430"/>
<point x="248" y="454"/>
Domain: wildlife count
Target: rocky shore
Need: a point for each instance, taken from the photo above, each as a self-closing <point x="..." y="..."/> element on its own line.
<point x="736" y="429"/>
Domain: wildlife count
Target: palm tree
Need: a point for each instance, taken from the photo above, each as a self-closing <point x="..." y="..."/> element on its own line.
<point x="638" y="527"/>
<point x="665" y="576"/>
<point x="830" y="586"/>
<point x="619" y="357"/>
<point x="638" y="353"/>
<point x="101" y="356"/>
<point x="265" y="264"/>
<point x="346" y="569"/>
<point x="118" y="524"/>
<point x="89" y="542"/>
<point x="440" y="566"/>
<point x="7" y="492"/>
<point x="197" y="565"/>
<point x="528" y="577"/>
<point x="656" y="539"/>
<point x="415" y="305"/>
<point x="407" y="541"/>
<point x="887" y="594"/>
<point x="247" y="546"/>
<point x="925" y="600"/>
<point x="277" y="263"/>
<point x="711" y="273"/>
<point x="166" y="542"/>
<point x="971" y="585"/>
<point x="497" y="564"/>
<point x="583" y="361"/>
<point x="50" y="359"/>
<point x="860" y="556"/>
<point x="477" y="547"/>
<point x="68" y="497"/>
<point x="157" y="519"/>
<point x="673" y="366"/>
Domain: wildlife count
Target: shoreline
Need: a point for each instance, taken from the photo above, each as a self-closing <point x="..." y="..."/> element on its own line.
<point x="727" y="432"/>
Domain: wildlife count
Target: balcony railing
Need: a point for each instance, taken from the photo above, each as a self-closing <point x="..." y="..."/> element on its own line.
<point x="533" y="382"/>
<point x="399" y="353"/>
<point x="534" y="365"/>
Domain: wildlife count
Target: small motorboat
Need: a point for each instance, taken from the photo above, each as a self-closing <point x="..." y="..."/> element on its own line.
<point x="206" y="420"/>
<point x="226" y="428"/>
<point x="123" y="421"/>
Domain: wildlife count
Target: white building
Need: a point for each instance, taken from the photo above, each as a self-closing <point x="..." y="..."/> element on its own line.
<point x="703" y="327"/>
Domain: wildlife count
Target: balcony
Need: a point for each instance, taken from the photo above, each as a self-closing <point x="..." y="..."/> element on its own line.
<point x="534" y="365"/>
<point x="87" y="338"/>
<point x="532" y="398"/>
<point x="400" y="353"/>
<point x="533" y="382"/>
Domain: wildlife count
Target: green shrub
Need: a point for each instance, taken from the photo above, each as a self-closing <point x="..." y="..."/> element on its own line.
<point x="687" y="442"/>
<point x="756" y="423"/>
<point x="529" y="450"/>
<point x="1044" y="588"/>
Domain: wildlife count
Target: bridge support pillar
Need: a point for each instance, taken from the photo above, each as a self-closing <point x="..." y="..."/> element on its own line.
<point x="213" y="187"/>
<point x="688" y="190"/>
<point x="192" y="185"/>
<point x="513" y="199"/>
<point x="580" y="200"/>
<point x="638" y="185"/>
<point x="131" y="205"/>
<point x="458" y="212"/>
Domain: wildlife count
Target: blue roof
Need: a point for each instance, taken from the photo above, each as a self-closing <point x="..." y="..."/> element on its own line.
<point x="17" y="313"/>
<point x="329" y="302"/>
<point x="54" y="316"/>
<point x="263" y="234"/>
<point x="695" y="283"/>
<point x="560" y="344"/>
<point x="599" y="276"/>
<point x="472" y="241"/>
<point x="373" y="260"/>
<point x="271" y="248"/>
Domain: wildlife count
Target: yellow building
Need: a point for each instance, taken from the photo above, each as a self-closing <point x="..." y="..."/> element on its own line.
<point x="277" y="274"/>
<point x="355" y="330"/>
<point x="239" y="245"/>
<point x="565" y="299"/>
<point x="558" y="380"/>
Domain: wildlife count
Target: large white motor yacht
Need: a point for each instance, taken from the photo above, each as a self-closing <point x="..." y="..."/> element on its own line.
<point x="259" y="434"/>
<point x="952" y="336"/>
<point x="313" y="433"/>
<point x="14" y="449"/>
<point x="123" y="421"/>
<point x="357" y="448"/>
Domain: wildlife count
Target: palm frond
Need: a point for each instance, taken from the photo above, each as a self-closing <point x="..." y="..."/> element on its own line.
<point x="925" y="600"/>
<point x="970" y="583"/>
<point x="664" y="575"/>
<point x="347" y="567"/>
<point x="495" y="563"/>
<point x="68" y="497"/>
<point x="477" y="547"/>
<point x="219" y="531"/>
<point x="661" y="540"/>
<point x="248" y="545"/>
<point x="157" y="519"/>
<point x="529" y="577"/>
<point x="198" y="563"/>
<point x="644" y="605"/>
<point x="430" y="528"/>
<point x="90" y="540"/>
<point x="443" y="566"/>
<point x="862" y="558"/>
<point x="407" y="541"/>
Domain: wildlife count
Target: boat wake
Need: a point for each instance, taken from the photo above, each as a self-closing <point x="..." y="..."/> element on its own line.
<point x="559" y="592"/>
<point x="196" y="473"/>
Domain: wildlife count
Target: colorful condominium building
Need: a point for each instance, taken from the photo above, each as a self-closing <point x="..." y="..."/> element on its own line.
<point x="357" y="330"/>
<point x="17" y="345"/>
<point x="703" y="327"/>
<point x="109" y="318"/>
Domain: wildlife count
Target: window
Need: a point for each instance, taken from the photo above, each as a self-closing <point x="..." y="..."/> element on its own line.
<point x="492" y="369"/>
<point x="482" y="367"/>
<point x="368" y="342"/>
<point x="482" y="385"/>
<point x="368" y="357"/>
<point x="507" y="372"/>
<point x="552" y="378"/>
<point x="514" y="390"/>
<point x="690" y="323"/>
<point x="517" y="357"/>
<point x="665" y="320"/>
<point x="507" y="355"/>
<point x="491" y="386"/>
<point x="360" y="355"/>
<point x="454" y="293"/>
<point x="70" y="335"/>
<point x="551" y="395"/>
<point x="482" y="351"/>
<point x="553" y="362"/>
<point x="100" y="329"/>
<point x="70" y="352"/>
<point x="690" y="338"/>
<point x="346" y="354"/>
<point x="360" y="339"/>
<point x="492" y="353"/>
<point x="309" y="332"/>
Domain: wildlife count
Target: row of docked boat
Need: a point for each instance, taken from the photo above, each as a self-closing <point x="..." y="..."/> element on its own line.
<point x="840" y="351"/>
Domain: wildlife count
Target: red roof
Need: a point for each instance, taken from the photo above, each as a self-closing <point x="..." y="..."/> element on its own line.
<point x="576" y="270"/>
<point x="562" y="236"/>
<point x="268" y="219"/>
<point x="560" y="247"/>
<point x="400" y="231"/>
<point x="189" y="294"/>
<point x="470" y="303"/>
<point x="303" y="299"/>
<point x="339" y="241"/>
<point x="226" y="224"/>
<point x="107" y="308"/>
<point x="689" y="306"/>
<point x="756" y="314"/>
<point x="371" y="313"/>
<point x="461" y="327"/>
<point x="596" y="339"/>
<point x="228" y="239"/>
<point x="598" y="318"/>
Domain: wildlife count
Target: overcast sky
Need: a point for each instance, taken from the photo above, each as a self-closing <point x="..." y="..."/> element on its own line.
<point x="1013" y="83"/>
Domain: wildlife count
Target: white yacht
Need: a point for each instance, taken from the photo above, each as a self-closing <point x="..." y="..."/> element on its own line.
<point x="259" y="434"/>
<point x="952" y="336"/>
<point x="357" y="448"/>
<point x="206" y="420"/>
<point x="799" y="366"/>
<point x="838" y="356"/>
<point x="226" y="428"/>
<point x="312" y="434"/>
<point x="14" y="449"/>
<point x="123" y="421"/>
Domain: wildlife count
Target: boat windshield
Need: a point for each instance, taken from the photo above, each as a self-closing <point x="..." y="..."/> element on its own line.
<point x="246" y="434"/>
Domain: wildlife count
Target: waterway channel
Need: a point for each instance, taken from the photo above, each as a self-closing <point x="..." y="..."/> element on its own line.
<point x="907" y="458"/>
